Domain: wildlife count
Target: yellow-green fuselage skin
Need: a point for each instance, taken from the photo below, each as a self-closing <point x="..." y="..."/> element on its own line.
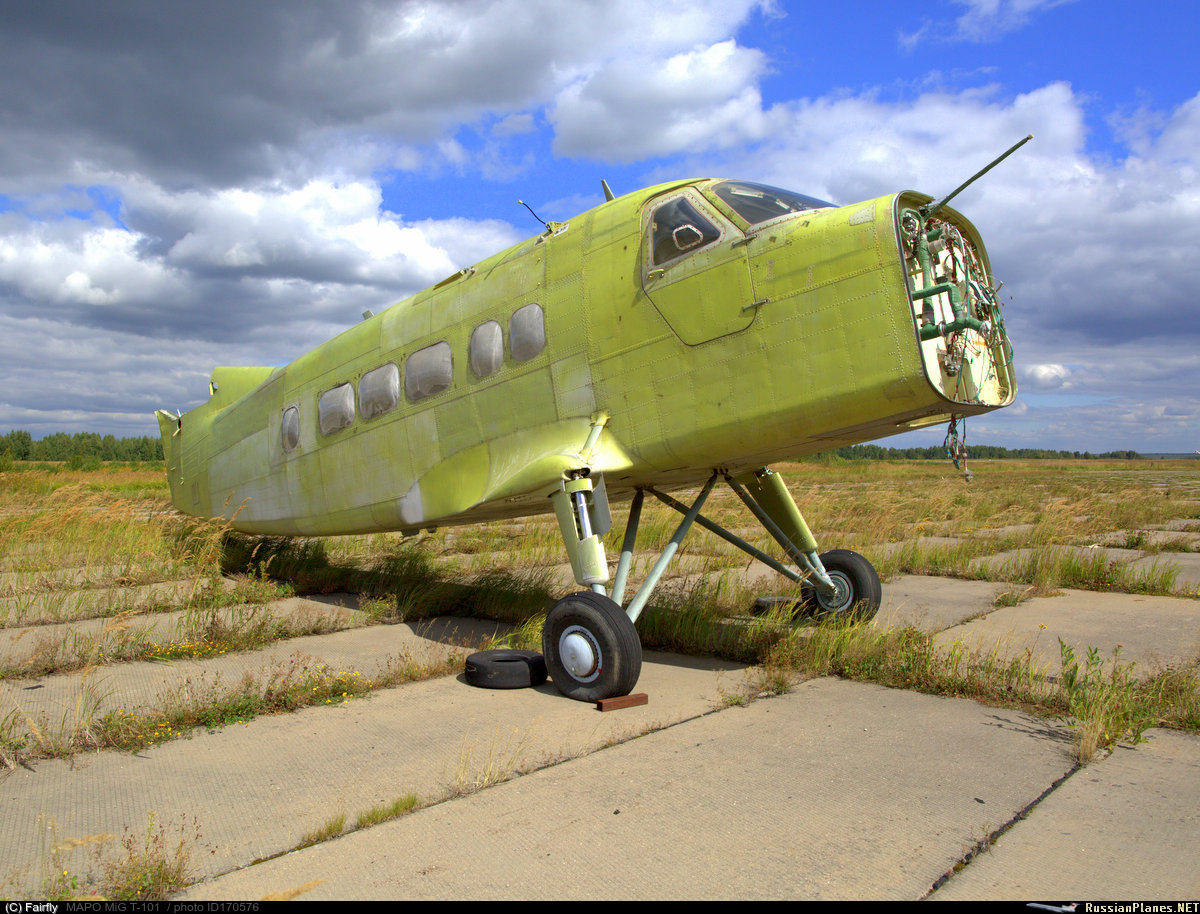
<point x="786" y="338"/>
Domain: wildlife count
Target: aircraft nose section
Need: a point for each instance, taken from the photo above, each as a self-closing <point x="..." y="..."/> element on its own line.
<point x="955" y="305"/>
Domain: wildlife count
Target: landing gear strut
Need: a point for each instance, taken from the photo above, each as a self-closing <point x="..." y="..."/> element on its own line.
<point x="591" y="647"/>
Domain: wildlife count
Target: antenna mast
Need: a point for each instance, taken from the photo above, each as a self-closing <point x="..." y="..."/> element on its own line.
<point x="928" y="210"/>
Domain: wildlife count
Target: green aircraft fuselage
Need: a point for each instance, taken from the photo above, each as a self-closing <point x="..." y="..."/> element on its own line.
<point x="652" y="339"/>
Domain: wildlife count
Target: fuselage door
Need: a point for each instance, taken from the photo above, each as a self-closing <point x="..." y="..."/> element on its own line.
<point x="693" y="268"/>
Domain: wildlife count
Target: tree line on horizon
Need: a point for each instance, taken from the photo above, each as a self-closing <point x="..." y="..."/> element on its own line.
<point x="975" y="451"/>
<point x="79" y="449"/>
<point x="90" y="447"/>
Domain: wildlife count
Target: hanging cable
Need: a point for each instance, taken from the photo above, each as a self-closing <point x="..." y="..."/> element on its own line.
<point x="956" y="446"/>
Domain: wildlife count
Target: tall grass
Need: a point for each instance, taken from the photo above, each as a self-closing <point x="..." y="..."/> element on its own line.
<point x="115" y="529"/>
<point x="1101" y="707"/>
<point x="146" y="868"/>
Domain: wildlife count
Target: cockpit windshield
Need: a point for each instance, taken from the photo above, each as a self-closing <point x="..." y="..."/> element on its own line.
<point x="757" y="202"/>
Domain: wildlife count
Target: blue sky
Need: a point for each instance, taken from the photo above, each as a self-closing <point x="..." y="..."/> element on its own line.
<point x="184" y="185"/>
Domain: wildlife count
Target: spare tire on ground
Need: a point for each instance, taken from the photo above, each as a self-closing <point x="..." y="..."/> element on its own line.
<point x="506" y="669"/>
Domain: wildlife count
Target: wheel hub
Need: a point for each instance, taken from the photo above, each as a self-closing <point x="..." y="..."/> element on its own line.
<point x="843" y="593"/>
<point x="579" y="652"/>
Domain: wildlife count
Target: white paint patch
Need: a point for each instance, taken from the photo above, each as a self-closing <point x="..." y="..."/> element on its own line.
<point x="410" y="507"/>
<point x="866" y="214"/>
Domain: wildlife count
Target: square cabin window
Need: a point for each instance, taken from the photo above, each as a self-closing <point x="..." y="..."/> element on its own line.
<point x="379" y="391"/>
<point x="335" y="410"/>
<point x="487" y="349"/>
<point x="428" y="371"/>
<point x="527" y="332"/>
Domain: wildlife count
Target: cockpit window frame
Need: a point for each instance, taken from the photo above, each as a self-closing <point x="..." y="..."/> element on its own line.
<point x="714" y="196"/>
<point x="703" y="207"/>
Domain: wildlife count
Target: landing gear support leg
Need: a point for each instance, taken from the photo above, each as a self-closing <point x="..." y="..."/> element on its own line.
<point x="766" y="487"/>
<point x="842" y="582"/>
<point x="626" y="561"/>
<point x="634" y="609"/>
<point x="584" y="546"/>
<point x="778" y="513"/>
<point x="591" y="647"/>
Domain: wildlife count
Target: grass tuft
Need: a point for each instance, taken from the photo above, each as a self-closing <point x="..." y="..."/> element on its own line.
<point x="146" y="867"/>
<point x="153" y="866"/>
<point x="401" y="806"/>
<point x="501" y="761"/>
<point x="331" y="828"/>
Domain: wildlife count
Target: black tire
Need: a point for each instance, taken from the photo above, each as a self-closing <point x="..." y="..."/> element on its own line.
<point x="591" y="648"/>
<point x="506" y="669"/>
<point x="859" y="591"/>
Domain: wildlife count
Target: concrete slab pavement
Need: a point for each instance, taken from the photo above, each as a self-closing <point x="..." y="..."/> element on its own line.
<point x="835" y="790"/>
<point x="33" y="607"/>
<point x="1151" y="630"/>
<point x="87" y="637"/>
<point x="1187" y="565"/>
<point x="142" y="684"/>
<point x="1132" y="813"/>
<point x="255" y="789"/>
<point x="935" y="603"/>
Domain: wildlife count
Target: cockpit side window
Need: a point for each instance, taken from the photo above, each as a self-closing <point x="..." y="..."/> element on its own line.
<point x="677" y="228"/>
<point x="758" y="203"/>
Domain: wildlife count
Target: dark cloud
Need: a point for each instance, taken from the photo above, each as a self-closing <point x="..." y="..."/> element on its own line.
<point x="220" y="93"/>
<point x="224" y="93"/>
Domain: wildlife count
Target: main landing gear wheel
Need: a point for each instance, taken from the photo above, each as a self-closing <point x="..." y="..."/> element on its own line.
<point x="858" y="593"/>
<point x="591" y="648"/>
<point x="505" y="669"/>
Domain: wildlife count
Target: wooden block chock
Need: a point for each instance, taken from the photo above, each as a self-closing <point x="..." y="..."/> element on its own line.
<point x="623" y="701"/>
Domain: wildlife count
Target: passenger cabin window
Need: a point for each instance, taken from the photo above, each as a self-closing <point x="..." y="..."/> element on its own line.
<point x="527" y="333"/>
<point x="289" y="428"/>
<point x="677" y="228"/>
<point x="487" y="349"/>
<point x="758" y="202"/>
<point x="428" y="371"/>
<point x="379" y="391"/>
<point x="335" y="410"/>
